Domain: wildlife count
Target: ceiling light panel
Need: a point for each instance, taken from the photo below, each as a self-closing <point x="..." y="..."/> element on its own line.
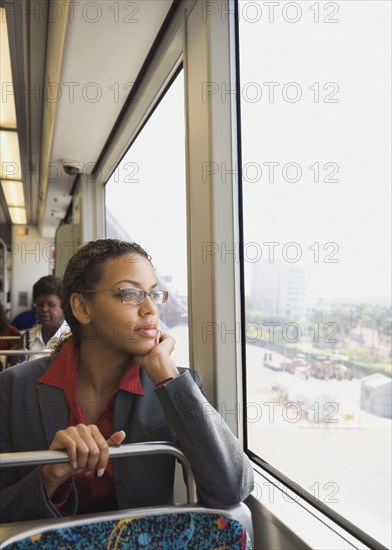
<point x="13" y="192"/>
<point x="10" y="168"/>
<point x="7" y="97"/>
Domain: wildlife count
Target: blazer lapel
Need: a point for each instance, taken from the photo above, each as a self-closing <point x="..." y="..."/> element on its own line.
<point x="54" y="410"/>
<point x="124" y="404"/>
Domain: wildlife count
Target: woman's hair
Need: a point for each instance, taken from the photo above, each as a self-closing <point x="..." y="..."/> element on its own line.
<point x="47" y="285"/>
<point x="84" y="271"/>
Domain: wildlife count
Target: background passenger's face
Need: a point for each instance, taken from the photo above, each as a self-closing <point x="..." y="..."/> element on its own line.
<point x="125" y="328"/>
<point x="49" y="311"/>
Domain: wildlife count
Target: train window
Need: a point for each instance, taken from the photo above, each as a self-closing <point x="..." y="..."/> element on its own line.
<point x="146" y="202"/>
<point x="315" y="135"/>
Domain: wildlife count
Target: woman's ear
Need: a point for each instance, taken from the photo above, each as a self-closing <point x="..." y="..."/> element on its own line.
<point x="79" y="305"/>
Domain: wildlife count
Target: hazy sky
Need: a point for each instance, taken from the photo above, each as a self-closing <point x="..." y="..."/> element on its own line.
<point x="316" y="100"/>
<point x="329" y="109"/>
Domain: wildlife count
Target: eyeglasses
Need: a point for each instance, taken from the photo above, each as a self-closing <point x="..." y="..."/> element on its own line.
<point x="135" y="296"/>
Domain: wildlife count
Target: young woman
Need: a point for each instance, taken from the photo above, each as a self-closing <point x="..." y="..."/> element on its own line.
<point x="112" y="382"/>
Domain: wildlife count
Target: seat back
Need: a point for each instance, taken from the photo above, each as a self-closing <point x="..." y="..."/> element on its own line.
<point x="189" y="526"/>
<point x="173" y="529"/>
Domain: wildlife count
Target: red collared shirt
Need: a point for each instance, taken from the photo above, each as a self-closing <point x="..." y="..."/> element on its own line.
<point x="96" y="494"/>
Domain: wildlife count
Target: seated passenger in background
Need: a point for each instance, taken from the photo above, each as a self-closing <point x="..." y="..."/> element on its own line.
<point x="46" y="298"/>
<point x="113" y="381"/>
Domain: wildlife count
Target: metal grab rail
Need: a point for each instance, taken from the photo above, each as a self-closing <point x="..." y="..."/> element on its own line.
<point x="32" y="458"/>
<point x="25" y="352"/>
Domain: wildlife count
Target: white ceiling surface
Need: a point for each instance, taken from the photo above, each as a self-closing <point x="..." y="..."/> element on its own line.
<point x="103" y="54"/>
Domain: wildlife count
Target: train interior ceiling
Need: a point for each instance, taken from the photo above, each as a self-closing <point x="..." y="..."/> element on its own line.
<point x="72" y="69"/>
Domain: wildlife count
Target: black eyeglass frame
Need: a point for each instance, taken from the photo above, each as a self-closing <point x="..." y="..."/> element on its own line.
<point x="142" y="294"/>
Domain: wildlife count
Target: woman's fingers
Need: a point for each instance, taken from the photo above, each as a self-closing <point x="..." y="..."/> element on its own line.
<point x="87" y="449"/>
<point x="85" y="445"/>
<point x="66" y="440"/>
<point x="167" y="341"/>
<point x="116" y="439"/>
<point x="98" y="451"/>
<point x="158" y="362"/>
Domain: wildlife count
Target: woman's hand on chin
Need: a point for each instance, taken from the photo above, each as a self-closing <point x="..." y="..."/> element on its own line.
<point x="157" y="363"/>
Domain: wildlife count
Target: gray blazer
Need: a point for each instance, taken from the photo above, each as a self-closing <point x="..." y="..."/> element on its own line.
<point x="31" y="414"/>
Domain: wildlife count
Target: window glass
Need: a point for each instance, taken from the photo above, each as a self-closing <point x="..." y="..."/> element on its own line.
<point x="146" y="203"/>
<point x="315" y="108"/>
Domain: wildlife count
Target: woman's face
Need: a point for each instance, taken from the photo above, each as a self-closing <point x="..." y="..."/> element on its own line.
<point x="48" y="310"/>
<point x="127" y="328"/>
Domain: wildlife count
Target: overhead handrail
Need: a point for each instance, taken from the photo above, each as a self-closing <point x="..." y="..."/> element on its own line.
<point x="32" y="458"/>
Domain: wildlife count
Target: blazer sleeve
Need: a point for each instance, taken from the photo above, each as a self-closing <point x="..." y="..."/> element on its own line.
<point x="223" y="473"/>
<point x="22" y="495"/>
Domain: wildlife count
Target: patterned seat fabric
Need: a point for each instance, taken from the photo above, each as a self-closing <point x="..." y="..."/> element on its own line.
<point x="193" y="531"/>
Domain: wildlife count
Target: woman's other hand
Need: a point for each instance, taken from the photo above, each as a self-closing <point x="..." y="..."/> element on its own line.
<point x="87" y="449"/>
<point x="157" y="363"/>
